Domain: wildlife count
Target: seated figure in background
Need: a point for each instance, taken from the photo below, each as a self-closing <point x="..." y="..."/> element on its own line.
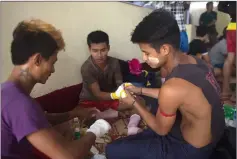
<point x="218" y="54"/>
<point x="198" y="47"/>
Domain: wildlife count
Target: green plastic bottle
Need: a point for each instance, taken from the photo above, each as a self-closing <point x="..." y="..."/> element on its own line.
<point x="77" y="133"/>
<point x="76" y="125"/>
<point x="229" y="112"/>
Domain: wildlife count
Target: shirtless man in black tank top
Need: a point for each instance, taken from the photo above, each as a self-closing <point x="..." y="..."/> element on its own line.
<point x="189" y="120"/>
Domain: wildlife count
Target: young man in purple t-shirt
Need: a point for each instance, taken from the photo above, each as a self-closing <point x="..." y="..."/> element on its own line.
<point x="34" y="52"/>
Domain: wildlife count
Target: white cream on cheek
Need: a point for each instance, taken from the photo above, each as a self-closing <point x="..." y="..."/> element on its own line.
<point x="154" y="60"/>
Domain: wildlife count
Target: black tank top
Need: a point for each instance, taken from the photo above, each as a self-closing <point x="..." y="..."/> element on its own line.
<point x="202" y="76"/>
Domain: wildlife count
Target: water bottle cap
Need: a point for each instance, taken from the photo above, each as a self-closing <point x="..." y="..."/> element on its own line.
<point x="77" y="129"/>
<point x="76" y="119"/>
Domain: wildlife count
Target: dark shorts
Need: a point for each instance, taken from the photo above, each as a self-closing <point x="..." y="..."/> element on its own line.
<point x="149" y="145"/>
<point x="219" y="65"/>
<point x="101" y="105"/>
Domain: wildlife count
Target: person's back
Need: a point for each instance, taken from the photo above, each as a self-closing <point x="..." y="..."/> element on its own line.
<point x="207" y="124"/>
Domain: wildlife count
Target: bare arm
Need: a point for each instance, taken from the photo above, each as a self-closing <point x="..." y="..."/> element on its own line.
<point x="52" y="144"/>
<point x="57" y="118"/>
<point x="169" y="101"/>
<point x="95" y="88"/>
<point x="118" y="75"/>
<point x="91" y="80"/>
<point x="81" y="113"/>
<point x="151" y="92"/>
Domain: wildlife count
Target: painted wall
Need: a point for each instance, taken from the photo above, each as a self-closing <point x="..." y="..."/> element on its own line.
<point x="76" y="20"/>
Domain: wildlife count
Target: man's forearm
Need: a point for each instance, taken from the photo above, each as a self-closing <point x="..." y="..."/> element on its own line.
<point x="104" y="96"/>
<point x="81" y="148"/>
<point x="150" y="92"/>
<point x="58" y="118"/>
<point x="147" y="117"/>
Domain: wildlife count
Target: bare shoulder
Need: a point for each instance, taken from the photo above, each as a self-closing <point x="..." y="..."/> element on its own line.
<point x="175" y="88"/>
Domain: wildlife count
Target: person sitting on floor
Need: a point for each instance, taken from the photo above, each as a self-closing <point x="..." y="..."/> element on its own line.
<point x="189" y="120"/>
<point x="101" y="75"/>
<point x="218" y="54"/>
<point x="34" y="51"/>
<point x="198" y="47"/>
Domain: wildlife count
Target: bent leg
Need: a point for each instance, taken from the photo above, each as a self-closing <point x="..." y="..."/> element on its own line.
<point x="145" y="145"/>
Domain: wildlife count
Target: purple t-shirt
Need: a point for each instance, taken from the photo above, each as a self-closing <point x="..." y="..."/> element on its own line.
<point x="20" y="116"/>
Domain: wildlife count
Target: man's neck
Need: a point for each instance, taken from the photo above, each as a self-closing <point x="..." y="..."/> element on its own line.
<point x="101" y="65"/>
<point x="172" y="62"/>
<point x="22" y="77"/>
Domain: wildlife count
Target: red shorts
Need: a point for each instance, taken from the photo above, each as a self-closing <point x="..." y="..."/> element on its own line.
<point x="231" y="38"/>
<point x="101" y="105"/>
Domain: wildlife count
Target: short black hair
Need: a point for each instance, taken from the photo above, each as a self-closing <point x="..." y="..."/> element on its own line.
<point x="156" y="29"/>
<point x="28" y="42"/>
<point x="208" y="4"/>
<point x="201" y="31"/>
<point x="96" y="37"/>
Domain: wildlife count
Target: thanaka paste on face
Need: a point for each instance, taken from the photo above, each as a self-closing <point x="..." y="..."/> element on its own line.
<point x="154" y="60"/>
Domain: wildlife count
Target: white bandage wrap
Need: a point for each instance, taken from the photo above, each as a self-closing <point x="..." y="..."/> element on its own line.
<point x="99" y="128"/>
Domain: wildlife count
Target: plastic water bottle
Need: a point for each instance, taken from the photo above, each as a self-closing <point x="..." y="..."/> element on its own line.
<point x="77" y="133"/>
<point x="76" y="125"/>
<point x="230" y="115"/>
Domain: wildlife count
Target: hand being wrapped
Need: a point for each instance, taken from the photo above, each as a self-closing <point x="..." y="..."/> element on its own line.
<point x="120" y="92"/>
<point x="99" y="128"/>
